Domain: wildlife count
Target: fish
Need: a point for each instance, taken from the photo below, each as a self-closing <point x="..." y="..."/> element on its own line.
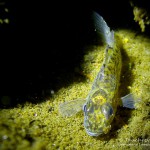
<point x="100" y="105"/>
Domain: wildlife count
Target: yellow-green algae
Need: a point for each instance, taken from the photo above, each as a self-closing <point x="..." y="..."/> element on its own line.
<point x="40" y="126"/>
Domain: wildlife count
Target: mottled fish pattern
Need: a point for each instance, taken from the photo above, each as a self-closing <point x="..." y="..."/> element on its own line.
<point x="101" y="103"/>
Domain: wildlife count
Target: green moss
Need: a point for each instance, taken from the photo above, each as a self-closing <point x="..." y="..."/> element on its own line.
<point x="141" y="16"/>
<point x="40" y="126"/>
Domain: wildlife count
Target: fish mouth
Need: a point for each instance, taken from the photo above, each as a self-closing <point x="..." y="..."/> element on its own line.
<point x="94" y="133"/>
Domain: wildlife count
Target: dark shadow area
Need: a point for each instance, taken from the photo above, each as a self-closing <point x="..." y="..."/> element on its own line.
<point x="43" y="45"/>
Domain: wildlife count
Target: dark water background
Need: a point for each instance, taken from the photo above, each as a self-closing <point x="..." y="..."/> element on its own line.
<point x="44" y="43"/>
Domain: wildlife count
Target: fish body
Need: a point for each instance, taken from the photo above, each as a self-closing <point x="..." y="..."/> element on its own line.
<point x="102" y="101"/>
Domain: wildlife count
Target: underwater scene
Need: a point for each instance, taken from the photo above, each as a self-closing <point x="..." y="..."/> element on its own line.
<point x="41" y="125"/>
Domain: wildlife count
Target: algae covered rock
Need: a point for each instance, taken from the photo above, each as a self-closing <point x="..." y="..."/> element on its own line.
<point x="141" y="14"/>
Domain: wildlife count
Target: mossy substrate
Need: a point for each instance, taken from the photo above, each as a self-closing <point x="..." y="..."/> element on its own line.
<point x="40" y="126"/>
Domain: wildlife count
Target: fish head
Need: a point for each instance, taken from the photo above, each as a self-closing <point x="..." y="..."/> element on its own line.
<point x="98" y="115"/>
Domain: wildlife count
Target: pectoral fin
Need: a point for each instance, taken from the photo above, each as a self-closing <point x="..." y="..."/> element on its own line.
<point x="130" y="101"/>
<point x="70" y="108"/>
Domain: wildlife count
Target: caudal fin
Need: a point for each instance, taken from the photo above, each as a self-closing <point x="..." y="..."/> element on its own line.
<point x="103" y="30"/>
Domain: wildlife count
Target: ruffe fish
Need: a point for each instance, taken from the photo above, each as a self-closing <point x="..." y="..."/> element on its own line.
<point x="101" y="103"/>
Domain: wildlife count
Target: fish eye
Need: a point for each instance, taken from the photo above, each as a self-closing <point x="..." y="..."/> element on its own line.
<point x="107" y="110"/>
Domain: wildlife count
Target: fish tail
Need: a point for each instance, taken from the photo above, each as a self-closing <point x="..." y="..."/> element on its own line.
<point x="103" y="30"/>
